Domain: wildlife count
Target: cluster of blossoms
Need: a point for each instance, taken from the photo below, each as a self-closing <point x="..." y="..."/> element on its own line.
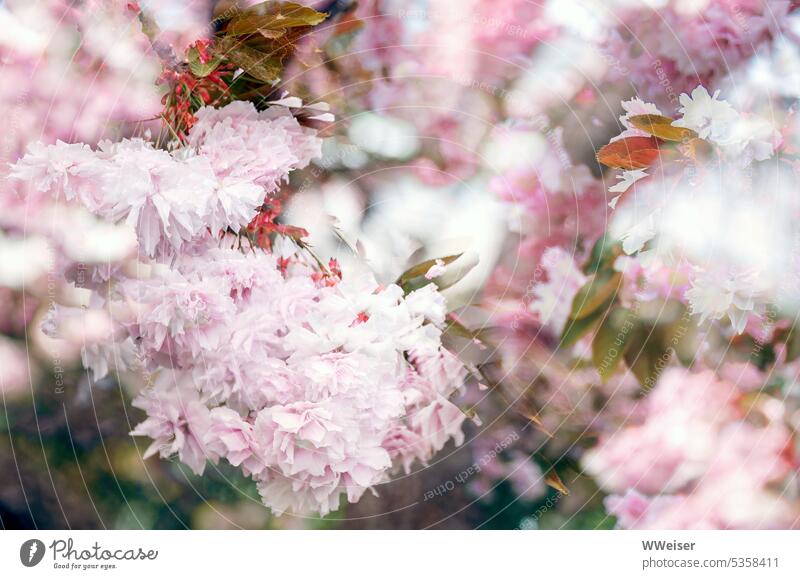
<point x="555" y="203"/>
<point x="312" y="384"/>
<point x="668" y="50"/>
<point x="313" y="387"/>
<point x="233" y="159"/>
<point x="436" y="72"/>
<point x="672" y="225"/>
<point x="699" y="227"/>
<point x="701" y="455"/>
<point x="102" y="87"/>
<point x="641" y="323"/>
<point x="74" y="72"/>
<point x="71" y="71"/>
<point x="696" y="452"/>
<point x="719" y="275"/>
<point x="449" y="39"/>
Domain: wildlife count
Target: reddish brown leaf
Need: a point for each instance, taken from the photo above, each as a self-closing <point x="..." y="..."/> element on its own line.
<point x="630" y="153"/>
<point x="554" y="481"/>
<point x="273" y="19"/>
<point x="661" y="127"/>
<point x="537" y="423"/>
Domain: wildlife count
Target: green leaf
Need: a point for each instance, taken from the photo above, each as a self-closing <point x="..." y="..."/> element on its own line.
<point x="455" y="328"/>
<point x="199" y="68"/>
<point x="421" y="269"/>
<point x="612" y="340"/>
<point x="260" y="65"/>
<point x="604" y="252"/>
<point x="272" y="19"/>
<point x="596" y="292"/>
<point x="260" y="38"/>
<point x="650" y="355"/>
<point x="793" y="345"/>
<point x="682" y="336"/>
<point x="574" y="330"/>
